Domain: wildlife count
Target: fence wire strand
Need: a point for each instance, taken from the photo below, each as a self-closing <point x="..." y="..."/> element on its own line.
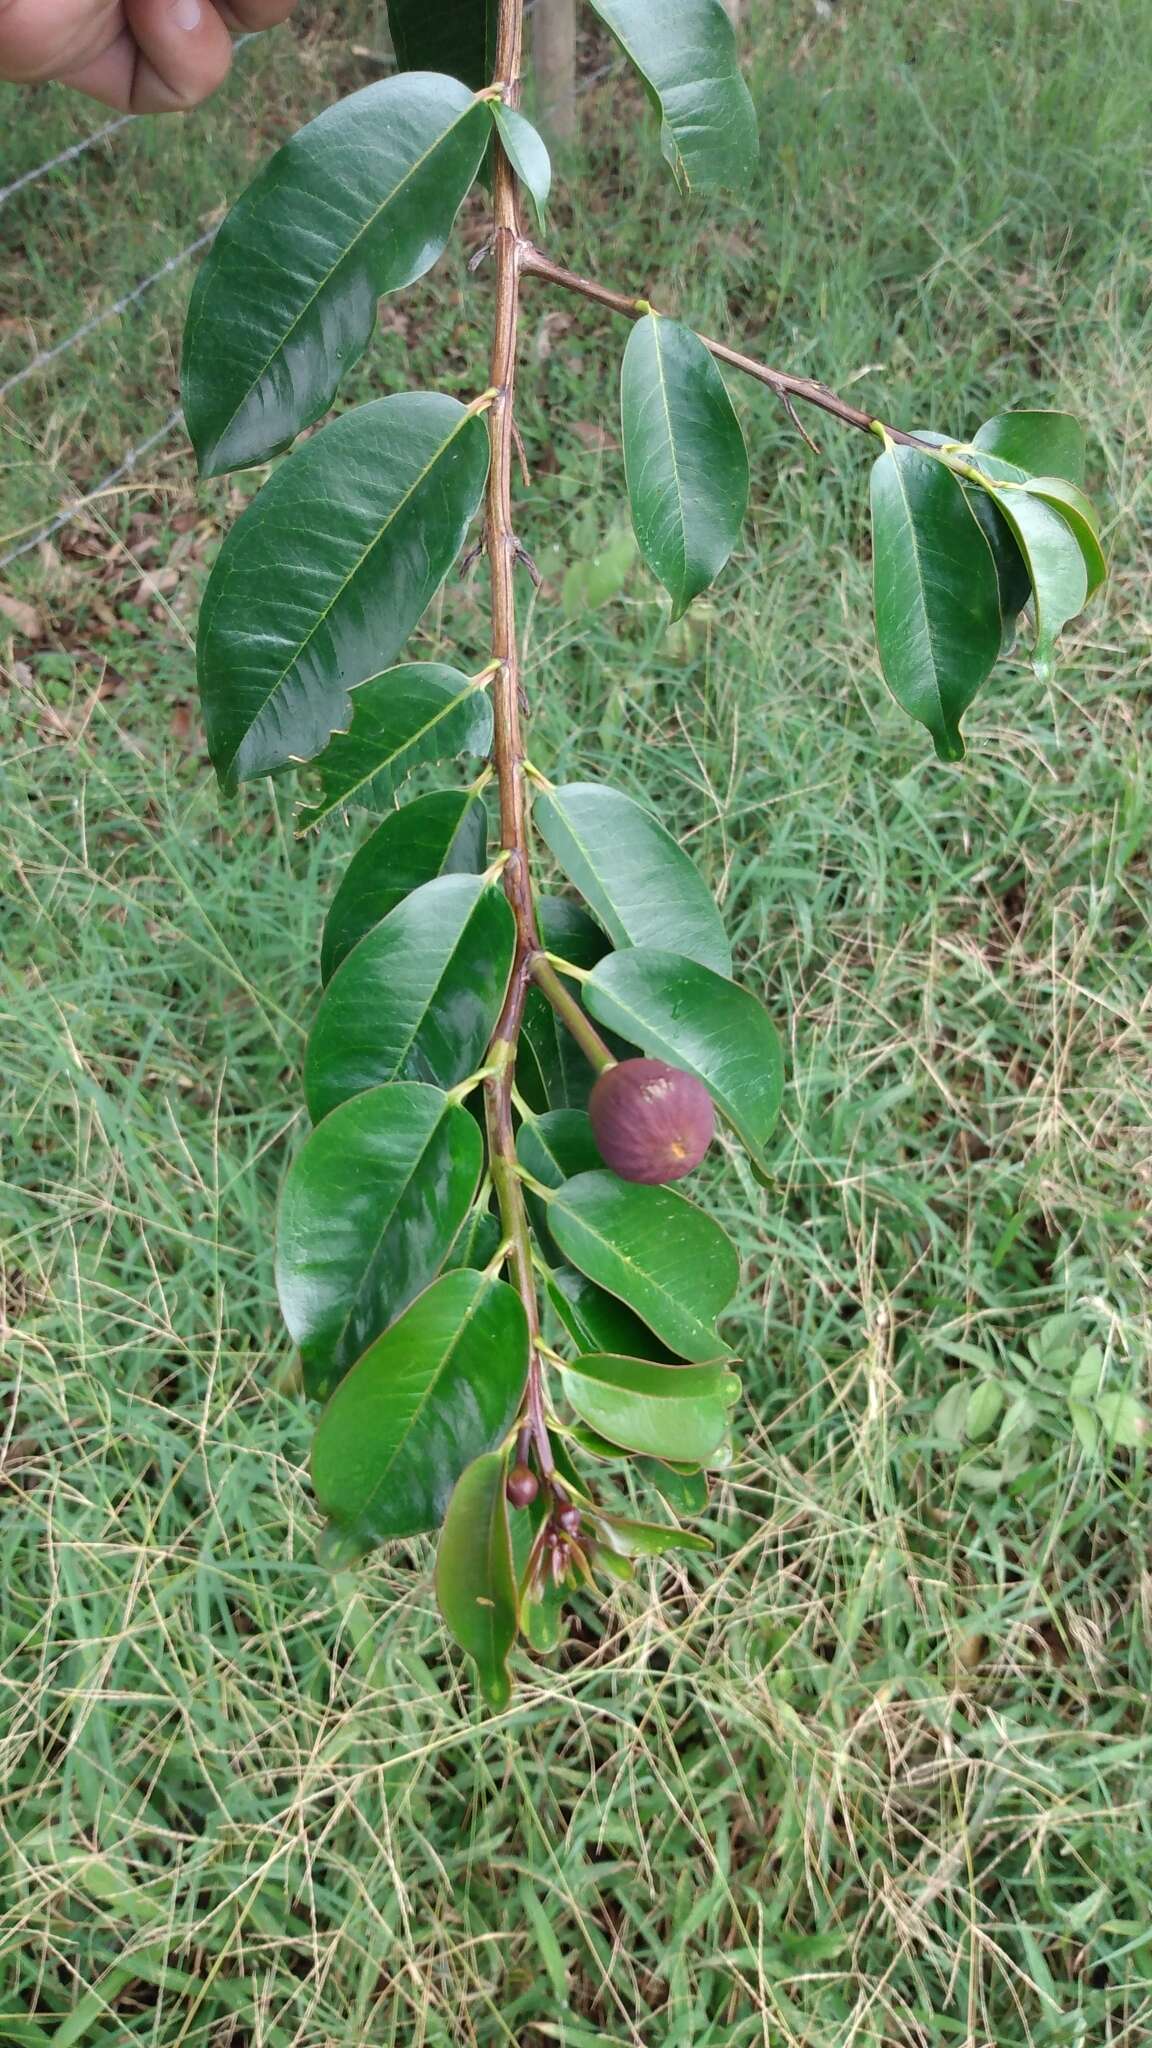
<point x="45" y="356"/>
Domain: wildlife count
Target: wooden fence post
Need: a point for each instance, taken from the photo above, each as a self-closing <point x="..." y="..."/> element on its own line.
<point x="554" y="58"/>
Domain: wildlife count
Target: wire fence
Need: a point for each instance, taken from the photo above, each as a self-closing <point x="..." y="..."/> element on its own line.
<point x="134" y="455"/>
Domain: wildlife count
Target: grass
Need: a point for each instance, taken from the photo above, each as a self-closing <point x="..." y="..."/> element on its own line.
<point x="880" y="1773"/>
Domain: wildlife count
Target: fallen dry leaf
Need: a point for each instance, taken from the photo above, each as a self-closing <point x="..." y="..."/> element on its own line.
<point x="24" y="617"/>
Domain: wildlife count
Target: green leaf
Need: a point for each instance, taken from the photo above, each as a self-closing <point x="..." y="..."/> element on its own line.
<point x="437" y="1390"/>
<point x="1123" y="1418"/>
<point x="526" y="153"/>
<point x="1012" y="578"/>
<point x="1055" y="566"/>
<point x="368" y="1214"/>
<point x="686" y="1492"/>
<point x="457" y="36"/>
<point x="1040" y="443"/>
<point x="1079" y="513"/>
<point x="478" y="1242"/>
<point x="937" y="598"/>
<point x="665" y="1411"/>
<point x="554" y="1148"/>
<point x="421" y="711"/>
<point x="359" y="202"/>
<point x="649" y="1539"/>
<point x="634" y="878"/>
<point x="678" y="1011"/>
<point x="597" y="578"/>
<point x="985" y="1407"/>
<point x="541" y="1600"/>
<point x="475" y="1586"/>
<point x="950" y="1421"/>
<point x="551" y="1070"/>
<point x="685" y="51"/>
<point x="325" y="574"/>
<point x="654" y="1250"/>
<point x="444" y="833"/>
<point x="597" y="1321"/>
<point x="684" y="458"/>
<point x="418" y="998"/>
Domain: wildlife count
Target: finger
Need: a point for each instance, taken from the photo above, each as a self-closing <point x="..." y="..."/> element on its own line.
<point x="35" y="44"/>
<point x="254" y="14"/>
<point x="184" y="53"/>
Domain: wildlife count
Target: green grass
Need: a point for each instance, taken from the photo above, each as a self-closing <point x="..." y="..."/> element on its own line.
<point x="879" y="1775"/>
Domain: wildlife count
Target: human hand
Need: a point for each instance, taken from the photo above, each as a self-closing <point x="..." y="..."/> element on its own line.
<point x="146" y="56"/>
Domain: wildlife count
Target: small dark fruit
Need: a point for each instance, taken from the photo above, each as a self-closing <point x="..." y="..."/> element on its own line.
<point x="522" y="1486"/>
<point x="651" y="1122"/>
<point x="569" y="1518"/>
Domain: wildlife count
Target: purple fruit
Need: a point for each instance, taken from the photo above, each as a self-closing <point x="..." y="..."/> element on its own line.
<point x="651" y="1122"/>
<point x="522" y="1486"/>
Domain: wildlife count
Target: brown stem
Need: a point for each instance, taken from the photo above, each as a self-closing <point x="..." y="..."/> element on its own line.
<point x="507" y="745"/>
<point x="568" y="1010"/>
<point x="534" y="263"/>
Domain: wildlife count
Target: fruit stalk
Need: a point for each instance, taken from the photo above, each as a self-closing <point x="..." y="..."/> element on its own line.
<point x="570" y="1014"/>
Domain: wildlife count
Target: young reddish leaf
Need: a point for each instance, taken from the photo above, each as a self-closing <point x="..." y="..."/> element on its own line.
<point x="359" y="202"/>
<point x="937" y="598"/>
<point x="686" y="54"/>
<point x="654" y="1250"/>
<point x="422" y="711"/>
<point x="323" y="577"/>
<point x="475" y="1584"/>
<point x="369" y="1212"/>
<point x="634" y="878"/>
<point x="676" y="1010"/>
<point x="684" y="458"/>
<point x="664" y="1411"/>
<point x="418" y="998"/>
<point x="437" y="1390"/>
<point x="1039" y="443"/>
<point x="444" y="833"/>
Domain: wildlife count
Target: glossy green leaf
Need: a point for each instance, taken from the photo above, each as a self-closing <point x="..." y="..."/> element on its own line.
<point x="475" y="1585"/>
<point x="557" y="1146"/>
<point x="478" y="1241"/>
<point x="421" y="711"/>
<point x="1056" y="566"/>
<point x="665" y="1411"/>
<point x="325" y="574"/>
<point x="649" y="1539"/>
<point x="444" y="833"/>
<point x="551" y="1070"/>
<point x="456" y="36"/>
<point x="685" y="1491"/>
<point x="631" y="873"/>
<point x="526" y="153"/>
<point x="1040" y="443"/>
<point x="676" y="1010"/>
<point x="437" y="1390"/>
<point x="359" y="202"/>
<point x="368" y="1214"/>
<point x="654" y="1250"/>
<point x="418" y="998"/>
<point x="1078" y="512"/>
<point x="685" y="51"/>
<point x="684" y="457"/>
<point x="554" y="1148"/>
<point x="937" y="598"/>
<point x="1012" y="577"/>
<point x="597" y="1321"/>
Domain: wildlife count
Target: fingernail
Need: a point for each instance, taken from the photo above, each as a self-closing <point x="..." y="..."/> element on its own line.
<point x="186" y="13"/>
